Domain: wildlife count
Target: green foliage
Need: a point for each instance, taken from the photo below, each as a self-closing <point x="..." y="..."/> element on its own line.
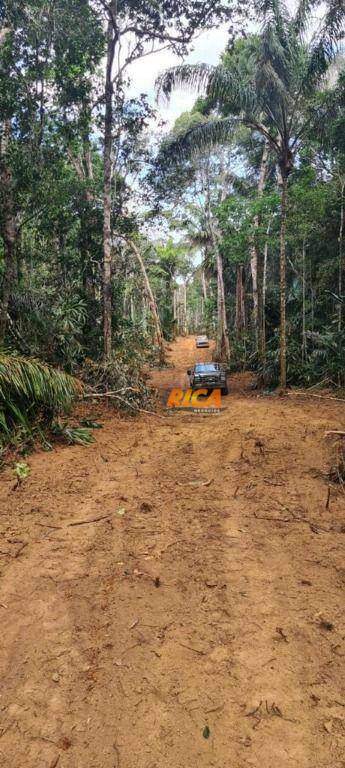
<point x="69" y="318"/>
<point x="172" y="259"/>
<point x="270" y="84"/>
<point x="73" y="435"/>
<point x="123" y="378"/>
<point x="34" y="381"/>
<point x="324" y="361"/>
<point x="31" y="393"/>
<point x="267" y="81"/>
<point x="186" y="121"/>
<point x="21" y="471"/>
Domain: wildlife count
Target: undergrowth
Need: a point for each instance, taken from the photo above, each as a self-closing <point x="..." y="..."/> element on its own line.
<point x="124" y="380"/>
<point x="32" y="395"/>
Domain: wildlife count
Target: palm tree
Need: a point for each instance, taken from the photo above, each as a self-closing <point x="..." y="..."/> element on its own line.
<point x="270" y="91"/>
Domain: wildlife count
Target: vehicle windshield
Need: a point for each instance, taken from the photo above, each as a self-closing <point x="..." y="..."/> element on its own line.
<point x="206" y="367"/>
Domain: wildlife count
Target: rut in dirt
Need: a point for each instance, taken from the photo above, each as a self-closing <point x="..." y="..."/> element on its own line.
<point x="198" y="620"/>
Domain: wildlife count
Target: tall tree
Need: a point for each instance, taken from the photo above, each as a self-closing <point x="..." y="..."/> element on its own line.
<point x="256" y="262"/>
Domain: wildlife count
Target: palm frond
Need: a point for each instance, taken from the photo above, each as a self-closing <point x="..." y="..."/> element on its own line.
<point x="274" y="9"/>
<point x="275" y="52"/>
<point x="220" y="83"/>
<point x="186" y="76"/>
<point x="334" y="20"/>
<point x="196" y="140"/>
<point x="274" y="15"/>
<point x="29" y="387"/>
<point x="302" y="15"/>
<point x="271" y="86"/>
<point x="326" y="43"/>
<point x="36" y="381"/>
<point x="230" y="88"/>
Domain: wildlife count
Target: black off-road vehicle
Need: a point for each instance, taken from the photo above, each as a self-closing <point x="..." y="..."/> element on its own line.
<point x="209" y="376"/>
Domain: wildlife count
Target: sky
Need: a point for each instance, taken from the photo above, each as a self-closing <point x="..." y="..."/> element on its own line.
<point x="206" y="48"/>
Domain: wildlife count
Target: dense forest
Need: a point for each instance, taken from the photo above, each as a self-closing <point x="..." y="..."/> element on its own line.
<point x="172" y="508"/>
<point x="116" y="235"/>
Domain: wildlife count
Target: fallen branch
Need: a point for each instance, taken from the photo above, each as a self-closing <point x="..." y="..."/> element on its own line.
<point x="277" y="519"/>
<point x="219" y="708"/>
<point x="254" y="710"/>
<point x="111" y="393"/>
<point x="19" y="551"/>
<point x="54" y="762"/>
<point x="195" y="650"/>
<point x="138" y="410"/>
<point x="90" y="520"/>
<point x="335" y="433"/>
<point x="323" y="383"/>
<point x="126" y="402"/>
<point x="313" y="526"/>
<point x="197" y="483"/>
<point x="48" y="525"/>
<point x="319" y="397"/>
<point x="134" y="624"/>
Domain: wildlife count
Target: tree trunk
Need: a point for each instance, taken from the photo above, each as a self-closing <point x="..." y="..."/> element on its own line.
<point x="151" y="299"/>
<point x="254" y="273"/>
<point x="107" y="202"/>
<point x="184" y="309"/>
<point x="9" y="231"/>
<point x="304" y="331"/>
<point x="178" y="311"/>
<point x="256" y="262"/>
<point x="341" y="256"/>
<point x="84" y="170"/>
<point x="219" y="314"/>
<point x="312" y="303"/>
<point x="132" y="307"/>
<point x="264" y="289"/>
<point x="222" y="341"/>
<point x="144" y="314"/>
<point x="240" y="321"/>
<point x="283" y="215"/>
<point x="223" y="344"/>
<point x="176" y="328"/>
<point x="204" y="284"/>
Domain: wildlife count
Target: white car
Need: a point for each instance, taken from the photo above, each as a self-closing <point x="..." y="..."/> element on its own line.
<point x="202" y="341"/>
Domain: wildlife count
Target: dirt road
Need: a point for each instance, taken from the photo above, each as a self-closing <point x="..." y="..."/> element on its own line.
<point x="199" y="624"/>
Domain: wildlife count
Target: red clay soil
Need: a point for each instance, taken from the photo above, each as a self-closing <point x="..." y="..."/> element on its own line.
<point x="200" y="623"/>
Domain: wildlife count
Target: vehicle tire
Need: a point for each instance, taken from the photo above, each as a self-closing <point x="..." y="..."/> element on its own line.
<point x="225" y="390"/>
